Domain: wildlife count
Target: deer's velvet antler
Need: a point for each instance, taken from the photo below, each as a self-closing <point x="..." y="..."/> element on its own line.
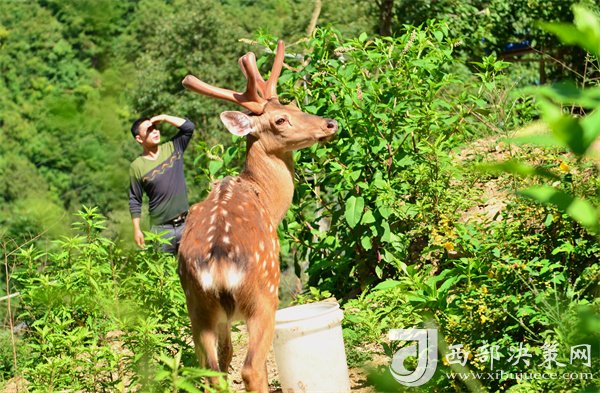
<point x="257" y="93"/>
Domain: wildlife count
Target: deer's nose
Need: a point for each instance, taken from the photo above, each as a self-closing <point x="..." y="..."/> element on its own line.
<point x="332" y="125"/>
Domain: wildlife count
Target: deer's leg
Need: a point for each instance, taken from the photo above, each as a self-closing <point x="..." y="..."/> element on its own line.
<point x="205" y="345"/>
<point x="260" y="336"/>
<point x="204" y="333"/>
<point x="225" y="347"/>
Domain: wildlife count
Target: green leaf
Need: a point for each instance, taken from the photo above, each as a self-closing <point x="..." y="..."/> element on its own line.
<point x="378" y="182"/>
<point x="354" y="210"/>
<point x="416" y="298"/>
<point x="368" y="218"/>
<point x="591" y="127"/>
<point x="449" y="283"/>
<point x="387" y="284"/>
<point x="365" y="242"/>
<point x="387" y="233"/>
<point x="580" y="210"/>
<point x="187" y="386"/>
<point x="214" y="166"/>
<point x="385" y="211"/>
<point x="543" y="140"/>
<point x="549" y="220"/>
<point x="518" y="168"/>
<point x="585" y="32"/>
<point x="354" y="175"/>
<point x="565" y="128"/>
<point x="567" y="93"/>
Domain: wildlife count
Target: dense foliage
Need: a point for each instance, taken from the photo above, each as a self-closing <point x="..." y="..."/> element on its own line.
<point x="440" y="202"/>
<point x="99" y="319"/>
<point x="509" y="28"/>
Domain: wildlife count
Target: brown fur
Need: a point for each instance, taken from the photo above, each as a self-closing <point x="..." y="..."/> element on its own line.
<point x="229" y="252"/>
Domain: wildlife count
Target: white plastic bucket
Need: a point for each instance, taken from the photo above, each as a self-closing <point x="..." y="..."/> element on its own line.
<point x="309" y="349"/>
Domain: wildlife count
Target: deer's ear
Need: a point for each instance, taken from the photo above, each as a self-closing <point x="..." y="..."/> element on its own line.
<point x="237" y="123"/>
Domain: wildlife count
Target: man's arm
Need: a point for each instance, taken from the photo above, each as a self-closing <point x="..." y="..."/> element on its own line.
<point x="173" y="120"/>
<point x="135" y="207"/>
<point x="186" y="129"/>
<point x="138" y="235"/>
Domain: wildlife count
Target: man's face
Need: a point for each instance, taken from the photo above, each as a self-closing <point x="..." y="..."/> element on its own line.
<point x="148" y="136"/>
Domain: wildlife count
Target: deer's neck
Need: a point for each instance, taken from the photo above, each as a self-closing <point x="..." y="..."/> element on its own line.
<point x="273" y="177"/>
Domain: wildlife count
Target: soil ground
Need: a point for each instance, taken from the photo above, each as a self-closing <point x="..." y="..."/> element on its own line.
<point x="358" y="377"/>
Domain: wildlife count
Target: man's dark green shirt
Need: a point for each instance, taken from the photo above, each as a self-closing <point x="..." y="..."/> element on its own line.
<point x="161" y="179"/>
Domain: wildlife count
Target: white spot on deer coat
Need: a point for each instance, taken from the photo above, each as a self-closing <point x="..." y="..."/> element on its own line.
<point x="206" y="280"/>
<point x="233" y="277"/>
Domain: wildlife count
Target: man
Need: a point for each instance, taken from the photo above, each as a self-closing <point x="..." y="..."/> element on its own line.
<point x="158" y="172"/>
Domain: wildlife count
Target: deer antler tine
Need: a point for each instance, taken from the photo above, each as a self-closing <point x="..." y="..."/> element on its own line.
<point x="271" y="87"/>
<point x="192" y="83"/>
<point x="255" y="81"/>
<point x="242" y="66"/>
<point x="257" y="90"/>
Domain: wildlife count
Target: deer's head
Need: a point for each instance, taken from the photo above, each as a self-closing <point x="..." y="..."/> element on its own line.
<point x="277" y="127"/>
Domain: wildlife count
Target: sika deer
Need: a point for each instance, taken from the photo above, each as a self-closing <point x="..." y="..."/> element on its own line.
<point x="229" y="253"/>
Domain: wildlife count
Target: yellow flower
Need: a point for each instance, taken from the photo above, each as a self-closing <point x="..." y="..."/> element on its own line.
<point x="449" y="246"/>
<point x="484" y="289"/>
<point x="564" y="167"/>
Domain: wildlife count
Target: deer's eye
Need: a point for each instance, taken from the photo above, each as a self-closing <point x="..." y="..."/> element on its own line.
<point x="280" y="121"/>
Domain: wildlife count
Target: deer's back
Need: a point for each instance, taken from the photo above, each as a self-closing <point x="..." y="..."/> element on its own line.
<point x="229" y="253"/>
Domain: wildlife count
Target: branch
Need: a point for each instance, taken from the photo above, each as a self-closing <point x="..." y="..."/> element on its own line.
<point x="313" y="19"/>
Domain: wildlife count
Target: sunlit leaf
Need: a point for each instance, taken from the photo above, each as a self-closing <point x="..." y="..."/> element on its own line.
<point x="568" y="93"/>
<point x="580" y="210"/>
<point x="387" y="284"/>
<point x="365" y="242"/>
<point x="565" y="128"/>
<point x="354" y="210"/>
<point x="585" y="32"/>
<point x="517" y="168"/>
